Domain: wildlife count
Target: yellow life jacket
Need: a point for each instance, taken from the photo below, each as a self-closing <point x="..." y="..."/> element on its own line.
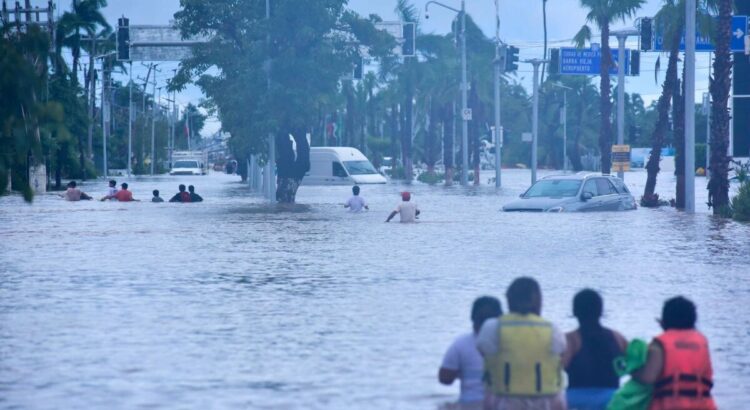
<point x="524" y="364"/>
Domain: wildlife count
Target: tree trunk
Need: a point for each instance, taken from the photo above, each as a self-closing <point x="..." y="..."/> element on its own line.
<point x="394" y="121"/>
<point x="718" y="185"/>
<point x="678" y="118"/>
<point x="605" y="132"/>
<point x="430" y="141"/>
<point x="650" y="198"/>
<point x="448" y="143"/>
<point x="544" y="24"/>
<point x="291" y="166"/>
<point x="406" y="137"/>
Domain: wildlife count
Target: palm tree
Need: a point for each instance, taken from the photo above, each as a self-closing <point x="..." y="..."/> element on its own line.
<point x="670" y="21"/>
<point x="85" y="16"/>
<point x="603" y="13"/>
<point x="718" y="185"/>
<point x="407" y="77"/>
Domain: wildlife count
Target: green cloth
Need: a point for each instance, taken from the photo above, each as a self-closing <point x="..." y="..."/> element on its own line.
<point x="633" y="395"/>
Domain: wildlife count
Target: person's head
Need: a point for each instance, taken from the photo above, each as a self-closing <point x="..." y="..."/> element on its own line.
<point x="485" y="307"/>
<point x="181" y="188"/>
<point x="678" y="313"/>
<point x="524" y="296"/>
<point x="587" y="306"/>
<point x="72" y="184"/>
<point x="191" y="189"/>
<point x="124" y="185"/>
<point x="112" y="183"/>
<point x="355" y="190"/>
<point x="405" y="196"/>
<point x="156" y="192"/>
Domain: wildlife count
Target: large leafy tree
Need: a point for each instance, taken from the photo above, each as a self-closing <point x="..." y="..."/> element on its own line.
<point x="602" y="13"/>
<point x="26" y="121"/>
<point x="268" y="77"/>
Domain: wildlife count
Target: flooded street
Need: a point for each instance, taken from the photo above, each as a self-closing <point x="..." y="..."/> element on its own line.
<point x="235" y="303"/>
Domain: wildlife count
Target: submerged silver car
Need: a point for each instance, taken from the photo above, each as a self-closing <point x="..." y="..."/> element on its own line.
<point x="575" y="193"/>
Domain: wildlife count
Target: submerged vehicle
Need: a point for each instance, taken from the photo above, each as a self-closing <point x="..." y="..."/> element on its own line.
<point x="340" y="166"/>
<point x="575" y="193"/>
<point x="189" y="163"/>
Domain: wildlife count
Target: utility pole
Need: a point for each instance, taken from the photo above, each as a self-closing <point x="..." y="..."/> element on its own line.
<point x="92" y="97"/>
<point x="153" y="127"/>
<point x="498" y="125"/>
<point x="464" y="89"/>
<point x="130" y="121"/>
<point x="621" y="35"/>
<point x="105" y="115"/>
<point x="271" y="165"/>
<point x="535" y="116"/>
<point x="690" y="12"/>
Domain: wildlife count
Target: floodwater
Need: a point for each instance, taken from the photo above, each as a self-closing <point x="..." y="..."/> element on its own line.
<point x="234" y="303"/>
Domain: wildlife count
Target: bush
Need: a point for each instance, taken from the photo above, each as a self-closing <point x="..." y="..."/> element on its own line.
<point x="741" y="202"/>
<point x="431" y="177"/>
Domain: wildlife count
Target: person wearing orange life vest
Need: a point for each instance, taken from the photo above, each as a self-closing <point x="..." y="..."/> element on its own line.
<point x="679" y="362"/>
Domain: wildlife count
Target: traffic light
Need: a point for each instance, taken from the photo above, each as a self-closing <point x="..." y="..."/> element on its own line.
<point x="501" y="57"/>
<point x="409" y="48"/>
<point x="358" y="68"/>
<point x="554" y="61"/>
<point x="511" y="59"/>
<point x="123" y="39"/>
<point x="647" y="33"/>
<point x="635" y="63"/>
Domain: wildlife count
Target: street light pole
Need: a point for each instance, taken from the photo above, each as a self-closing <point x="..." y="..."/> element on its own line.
<point x="690" y="11"/>
<point x="565" y="123"/>
<point x="621" y="35"/>
<point x="535" y="116"/>
<point x="498" y="126"/>
<point x="464" y="88"/>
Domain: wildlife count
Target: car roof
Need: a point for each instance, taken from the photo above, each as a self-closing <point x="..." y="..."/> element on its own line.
<point x="580" y="176"/>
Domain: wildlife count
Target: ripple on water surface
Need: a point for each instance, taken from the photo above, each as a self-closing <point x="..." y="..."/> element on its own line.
<point x="236" y="303"/>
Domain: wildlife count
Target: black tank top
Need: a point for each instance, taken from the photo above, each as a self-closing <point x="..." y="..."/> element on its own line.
<point x="592" y="365"/>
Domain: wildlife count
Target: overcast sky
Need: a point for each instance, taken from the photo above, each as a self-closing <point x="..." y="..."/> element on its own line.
<point x="521" y="25"/>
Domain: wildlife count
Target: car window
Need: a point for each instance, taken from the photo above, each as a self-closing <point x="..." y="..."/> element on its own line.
<point x="590" y="187"/>
<point x="604" y="187"/>
<point x="553" y="188"/>
<point x="338" y="170"/>
<point x="621" y="188"/>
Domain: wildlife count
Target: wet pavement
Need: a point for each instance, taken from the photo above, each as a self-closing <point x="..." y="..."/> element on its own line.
<point x="235" y="303"/>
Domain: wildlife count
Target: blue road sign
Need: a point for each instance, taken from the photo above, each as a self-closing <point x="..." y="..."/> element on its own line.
<point x="703" y="43"/>
<point x="587" y="61"/>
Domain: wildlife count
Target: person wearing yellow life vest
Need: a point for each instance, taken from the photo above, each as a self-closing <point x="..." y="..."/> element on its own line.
<point x="679" y="363"/>
<point x="523" y="354"/>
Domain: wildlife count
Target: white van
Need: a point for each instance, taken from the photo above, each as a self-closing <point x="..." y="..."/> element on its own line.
<point x="189" y="163"/>
<point x="340" y="166"/>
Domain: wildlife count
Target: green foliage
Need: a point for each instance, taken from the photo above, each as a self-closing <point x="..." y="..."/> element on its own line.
<point x="313" y="44"/>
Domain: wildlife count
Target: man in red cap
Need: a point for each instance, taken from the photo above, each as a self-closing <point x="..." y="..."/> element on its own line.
<point x="407" y="210"/>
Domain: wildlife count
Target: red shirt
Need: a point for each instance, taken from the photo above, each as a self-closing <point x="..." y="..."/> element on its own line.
<point x="124" y="195"/>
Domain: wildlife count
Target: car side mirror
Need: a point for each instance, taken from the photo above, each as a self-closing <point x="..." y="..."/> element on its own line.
<point x="586" y="196"/>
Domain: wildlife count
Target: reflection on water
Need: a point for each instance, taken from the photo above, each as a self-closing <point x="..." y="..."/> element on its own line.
<point x="237" y="303"/>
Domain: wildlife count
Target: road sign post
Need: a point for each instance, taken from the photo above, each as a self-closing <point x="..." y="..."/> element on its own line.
<point x="621" y="158"/>
<point x="587" y="61"/>
<point x="703" y="42"/>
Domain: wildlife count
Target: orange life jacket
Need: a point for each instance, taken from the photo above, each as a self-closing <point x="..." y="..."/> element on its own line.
<point x="686" y="378"/>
